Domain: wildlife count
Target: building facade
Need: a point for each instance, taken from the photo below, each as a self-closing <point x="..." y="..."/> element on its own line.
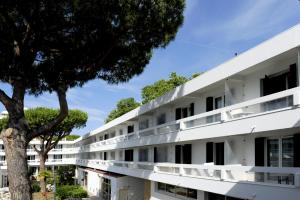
<point x="233" y="133"/>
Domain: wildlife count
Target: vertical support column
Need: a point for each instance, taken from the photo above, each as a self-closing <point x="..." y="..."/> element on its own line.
<point x="228" y="95"/>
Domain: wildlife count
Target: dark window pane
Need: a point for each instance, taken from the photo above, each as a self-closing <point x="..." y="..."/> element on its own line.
<point x="181" y="191"/>
<point x="170" y="188"/>
<point x="161" y="186"/>
<point x="192" y="193"/>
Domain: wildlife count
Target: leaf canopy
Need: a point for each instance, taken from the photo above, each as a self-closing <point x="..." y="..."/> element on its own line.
<point x="46" y="44"/>
<point x="37" y="117"/>
<point x="123" y="106"/>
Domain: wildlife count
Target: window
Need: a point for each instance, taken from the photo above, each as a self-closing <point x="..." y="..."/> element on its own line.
<point x="121" y="155"/>
<point x="59" y="146"/>
<point x="213" y="196"/>
<point x="161" y="119"/>
<point x="130" y="129"/>
<point x="2" y="158"/>
<point x="31" y="157"/>
<point x="280" y="81"/>
<point x="1" y="147"/>
<point x="144" y="124"/>
<point x="183" y="154"/>
<point x="176" y="191"/>
<point x="101" y="138"/>
<point x="112" y="134"/>
<point x="59" y="156"/>
<point x="121" y="132"/>
<point x="106" y="136"/>
<point x="104" y="155"/>
<point x="143" y="155"/>
<point x="161" y="154"/>
<point x="129" y="155"/>
<point x="218" y="102"/>
<point x="215" y="153"/>
<point x="184" y="112"/>
<point x="280" y="152"/>
<point x="106" y="189"/>
<point x="112" y="155"/>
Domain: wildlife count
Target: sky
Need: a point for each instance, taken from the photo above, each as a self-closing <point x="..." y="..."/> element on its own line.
<point x="212" y="32"/>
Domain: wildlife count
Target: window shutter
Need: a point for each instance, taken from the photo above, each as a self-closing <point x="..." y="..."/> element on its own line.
<point x="187" y="154"/>
<point x="265" y="86"/>
<point x="178" y="113"/>
<point x="192" y="109"/>
<point x="297" y="150"/>
<point x="260" y="151"/>
<point x="292" y="77"/>
<point x="209" y="104"/>
<point x="178" y="154"/>
<point x="209" y="152"/>
<point x="155" y="154"/>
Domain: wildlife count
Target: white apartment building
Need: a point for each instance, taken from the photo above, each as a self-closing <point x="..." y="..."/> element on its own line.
<point x="232" y="133"/>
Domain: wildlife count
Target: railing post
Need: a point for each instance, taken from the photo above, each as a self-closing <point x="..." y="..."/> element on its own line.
<point x="181" y="125"/>
<point x="297" y="180"/>
<point x="296" y="98"/>
<point x="181" y="171"/>
<point x="224" y="116"/>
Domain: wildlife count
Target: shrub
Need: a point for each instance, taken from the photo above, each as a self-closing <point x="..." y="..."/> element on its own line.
<point x="71" y="191"/>
<point x="35" y="187"/>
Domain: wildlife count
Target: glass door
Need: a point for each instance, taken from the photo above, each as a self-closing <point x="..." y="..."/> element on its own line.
<point x="280" y="152"/>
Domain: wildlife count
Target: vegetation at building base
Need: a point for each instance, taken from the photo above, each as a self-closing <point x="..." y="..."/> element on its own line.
<point x="70" y="191"/>
<point x="123" y="106"/>
<point x="66" y="175"/>
<point x="52" y="46"/>
<point x="149" y="93"/>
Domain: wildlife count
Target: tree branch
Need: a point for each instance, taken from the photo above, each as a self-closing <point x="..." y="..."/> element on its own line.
<point x="38" y="151"/>
<point x="63" y="113"/>
<point x="5" y="99"/>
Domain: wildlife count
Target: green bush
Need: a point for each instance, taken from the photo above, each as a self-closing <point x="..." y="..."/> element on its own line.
<point x="35" y="187"/>
<point x="70" y="191"/>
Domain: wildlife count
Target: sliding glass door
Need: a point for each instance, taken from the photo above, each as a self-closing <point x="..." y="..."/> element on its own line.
<point x="280" y="153"/>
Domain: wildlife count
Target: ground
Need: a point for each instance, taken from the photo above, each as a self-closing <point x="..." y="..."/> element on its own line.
<point x="38" y="196"/>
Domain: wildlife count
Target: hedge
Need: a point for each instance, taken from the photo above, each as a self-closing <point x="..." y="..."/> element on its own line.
<point x="70" y="191"/>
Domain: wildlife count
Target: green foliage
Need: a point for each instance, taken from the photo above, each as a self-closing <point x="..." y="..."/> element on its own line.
<point x="123" y="106"/>
<point x="45" y="175"/>
<point x="35" y="187"/>
<point x="161" y="87"/>
<point x="66" y="174"/>
<point x="37" y="117"/>
<point x="72" y="137"/>
<point x="48" y="44"/>
<point x="70" y="191"/>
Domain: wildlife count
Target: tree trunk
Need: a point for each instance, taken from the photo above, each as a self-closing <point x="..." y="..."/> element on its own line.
<point x="16" y="156"/>
<point x="42" y="170"/>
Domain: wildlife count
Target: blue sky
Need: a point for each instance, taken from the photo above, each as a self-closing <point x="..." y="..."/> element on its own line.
<point x="212" y="32"/>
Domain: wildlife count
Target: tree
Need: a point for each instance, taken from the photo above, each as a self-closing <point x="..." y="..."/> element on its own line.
<point x="161" y="87"/>
<point x="123" y="106"/>
<point x="54" y="45"/>
<point x="37" y="117"/>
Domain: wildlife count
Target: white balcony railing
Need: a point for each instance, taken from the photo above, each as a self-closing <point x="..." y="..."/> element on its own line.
<point x="255" y="107"/>
<point x="273" y="176"/>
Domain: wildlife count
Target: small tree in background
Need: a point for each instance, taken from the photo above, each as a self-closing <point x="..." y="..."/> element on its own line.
<point x="37" y="117"/>
<point x="123" y="106"/>
<point x="161" y="87"/>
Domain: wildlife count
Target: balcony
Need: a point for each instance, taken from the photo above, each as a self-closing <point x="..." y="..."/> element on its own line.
<point x="251" y="109"/>
<point x="268" y="176"/>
